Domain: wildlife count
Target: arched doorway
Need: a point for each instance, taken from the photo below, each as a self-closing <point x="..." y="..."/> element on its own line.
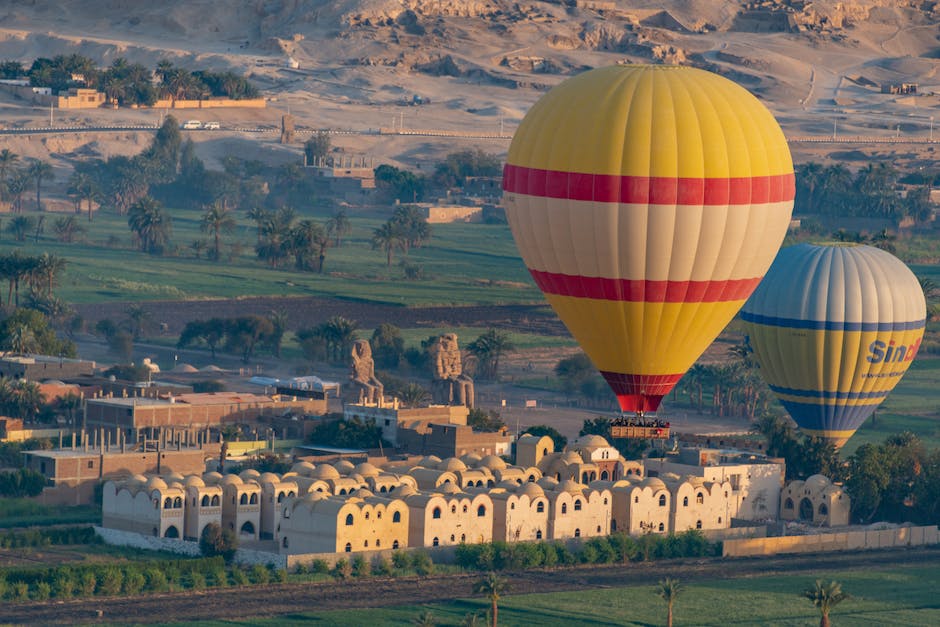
<point x="248" y="529"/>
<point x="806" y="509"/>
<point x="172" y="532"/>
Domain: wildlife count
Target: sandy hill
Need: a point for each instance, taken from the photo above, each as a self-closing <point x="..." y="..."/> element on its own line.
<point x="482" y="63"/>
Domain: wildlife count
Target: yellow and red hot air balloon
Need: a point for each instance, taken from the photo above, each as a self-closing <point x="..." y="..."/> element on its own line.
<point x="647" y="203"/>
<point x="834" y="328"/>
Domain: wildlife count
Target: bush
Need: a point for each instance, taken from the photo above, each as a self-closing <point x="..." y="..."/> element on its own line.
<point x="87" y="583"/>
<point x="64" y="584"/>
<point x="259" y="573"/>
<point x="42" y="591"/>
<point x="319" y="567"/>
<point x="134" y="582"/>
<point x="401" y="560"/>
<point x="422" y="563"/>
<point x="20" y="591"/>
<point x="279" y="575"/>
<point x="342" y="569"/>
<point x="216" y="540"/>
<point x="381" y="566"/>
<point x="239" y="577"/>
<point x="588" y="554"/>
<point x="219" y="577"/>
<point x="360" y="567"/>
<point x="198" y="581"/>
<point x="110" y="579"/>
<point x="605" y="553"/>
<point x="625" y="546"/>
<point x="156" y="580"/>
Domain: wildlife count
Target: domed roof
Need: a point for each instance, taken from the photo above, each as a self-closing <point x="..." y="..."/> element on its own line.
<point x="231" y="480"/>
<point x="156" y="483"/>
<point x="670" y="476"/>
<point x="431" y="461"/>
<point x="570" y="457"/>
<point x="324" y="471"/>
<point x="403" y="490"/>
<point x="452" y="464"/>
<point x="366" y="469"/>
<point x="212" y="477"/>
<point x="268" y="477"/>
<point x="449" y="488"/>
<point x="548" y="483"/>
<point x="194" y="481"/>
<point x="816" y="483"/>
<point x="507" y="484"/>
<point x="569" y="486"/>
<point x="250" y="473"/>
<point x="653" y="482"/>
<point x="139" y="478"/>
<point x="530" y="489"/>
<point x="695" y="480"/>
<point x="175" y="484"/>
<point x="492" y="462"/>
<point x="592" y="441"/>
<point x="471" y="459"/>
<point x="362" y="493"/>
<point x="344" y="466"/>
<point x="311" y="497"/>
<point x="303" y="468"/>
<point x="174" y="476"/>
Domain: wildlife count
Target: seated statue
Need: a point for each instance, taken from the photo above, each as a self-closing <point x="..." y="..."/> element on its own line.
<point x="362" y="373"/>
<point x="450" y="386"/>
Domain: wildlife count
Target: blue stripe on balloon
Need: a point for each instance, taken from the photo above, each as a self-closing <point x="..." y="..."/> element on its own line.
<point x="831" y="325"/>
<point x="827" y="395"/>
<point x="817" y="417"/>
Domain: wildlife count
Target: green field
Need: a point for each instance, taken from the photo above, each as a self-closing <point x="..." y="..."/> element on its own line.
<point x="892" y="596"/>
<point x="461" y="264"/>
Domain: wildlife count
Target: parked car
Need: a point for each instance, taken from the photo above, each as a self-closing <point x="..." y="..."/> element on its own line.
<point x="211" y="126"/>
<point x="192" y="124"/>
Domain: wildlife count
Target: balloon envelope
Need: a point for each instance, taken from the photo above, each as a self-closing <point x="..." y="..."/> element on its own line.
<point x="647" y="203"/>
<point x="834" y="328"/>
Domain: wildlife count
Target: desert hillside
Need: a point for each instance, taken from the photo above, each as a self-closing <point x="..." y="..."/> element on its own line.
<point x="479" y="64"/>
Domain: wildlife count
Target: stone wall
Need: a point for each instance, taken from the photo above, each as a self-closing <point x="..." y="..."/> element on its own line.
<point x="212" y="103"/>
<point x="840" y="541"/>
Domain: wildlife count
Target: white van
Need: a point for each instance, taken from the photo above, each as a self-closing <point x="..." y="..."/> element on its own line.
<point x="211" y="126"/>
<point x="192" y="124"/>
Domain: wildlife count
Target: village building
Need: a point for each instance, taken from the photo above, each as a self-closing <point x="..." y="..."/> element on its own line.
<point x="203" y="507"/>
<point x="148" y="506"/>
<point x="520" y="513"/>
<point x="816" y="501"/>
<point x="241" y="506"/>
<point x="390" y="417"/>
<point x="43" y="367"/>
<point x="448" y="517"/>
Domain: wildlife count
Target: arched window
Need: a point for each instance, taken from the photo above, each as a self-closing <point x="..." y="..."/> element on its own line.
<point x="177" y="502"/>
<point x="453" y="538"/>
<point x="342" y="492"/>
<point x="280" y="497"/>
<point x="243" y="499"/>
<point x="396" y="517"/>
<point x="598" y="529"/>
<point x="436" y="541"/>
<point x="636" y="499"/>
<point x="544" y="452"/>
<point x="248" y="528"/>
<point x="699" y="498"/>
<point x="540" y="507"/>
<point x="662" y="500"/>
<point x="205" y="500"/>
<point x="378" y="514"/>
<point x="395" y="544"/>
<point x="291" y="493"/>
<point x="788" y="504"/>
<point x="349" y="520"/>
<point x="490" y="483"/>
<point x="564" y="508"/>
<point x="463" y="537"/>
<point x="168" y="503"/>
<point x="367" y="516"/>
<point x="662" y="527"/>
<point x="378" y="542"/>
<point x="172" y="532"/>
<point x="284" y="542"/>
<point x="584" y="477"/>
<point x="286" y="513"/>
<point x="577" y="505"/>
<point x="348" y="548"/>
<point x="215" y="500"/>
<point x="605" y="476"/>
<point x="577" y="533"/>
<point x="436" y="513"/>
<point x="365" y="544"/>
<point x="481" y="511"/>
<point x="465" y="509"/>
<point x="383" y="489"/>
<point x="685" y="501"/>
<point x="719" y="520"/>
<point x="613" y="524"/>
<point x="538" y="534"/>
<point x="253" y="499"/>
<point x="823" y="510"/>
<point x="531" y="478"/>
<point x="698" y="524"/>
<point x="453" y="509"/>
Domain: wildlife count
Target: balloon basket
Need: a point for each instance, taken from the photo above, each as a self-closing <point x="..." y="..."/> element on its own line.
<point x="639" y="427"/>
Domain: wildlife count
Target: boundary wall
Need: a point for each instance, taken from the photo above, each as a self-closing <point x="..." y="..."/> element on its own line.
<point x="826" y="542"/>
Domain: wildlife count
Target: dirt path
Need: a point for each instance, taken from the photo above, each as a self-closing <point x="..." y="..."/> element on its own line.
<point x="275" y="600"/>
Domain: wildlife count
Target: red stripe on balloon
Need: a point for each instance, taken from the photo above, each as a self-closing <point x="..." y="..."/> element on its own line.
<point x="643" y="291"/>
<point x="640" y="392"/>
<point x="654" y="190"/>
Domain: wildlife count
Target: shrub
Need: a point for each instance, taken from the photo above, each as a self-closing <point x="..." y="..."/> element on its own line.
<point x="422" y="563"/>
<point x="239" y="577"/>
<point x="381" y="566"/>
<point x="87" y="583"/>
<point x="156" y="580"/>
<point x="219" y="577"/>
<point x="342" y="569"/>
<point x="401" y="560"/>
<point x="549" y="555"/>
<point x="110" y="579"/>
<point x="64" y="583"/>
<point x="134" y="582"/>
<point x="588" y="554"/>
<point x="280" y="575"/>
<point x="605" y="552"/>
<point x="624" y="546"/>
<point x="259" y="573"/>
<point x="216" y="540"/>
<point x="197" y="580"/>
<point x="20" y="591"/>
<point x="319" y="567"/>
<point x="42" y="592"/>
<point x="360" y="567"/>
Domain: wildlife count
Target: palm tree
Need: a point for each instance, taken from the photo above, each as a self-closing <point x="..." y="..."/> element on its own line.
<point x="260" y="216"/>
<point x="20" y="226"/>
<point x="21" y="340"/>
<point x="337" y="226"/>
<point x="67" y="228"/>
<point x="84" y="188"/>
<point x="488" y="348"/>
<point x="929" y="286"/>
<point x="825" y="596"/>
<point x="150" y="224"/>
<point x="388" y="237"/>
<point x="306" y="241"/>
<point x="424" y="619"/>
<point x="40" y="171"/>
<point x="137" y="317"/>
<point x="48" y="268"/>
<point x="413" y="395"/>
<point x="8" y="159"/>
<point x="339" y="333"/>
<point x="216" y="220"/>
<point x="669" y="590"/>
<point x="492" y="586"/>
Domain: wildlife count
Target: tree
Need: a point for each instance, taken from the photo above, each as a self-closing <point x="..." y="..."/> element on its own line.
<point x="353" y="433"/>
<point x="137" y="318"/>
<point x="67" y="228"/>
<point x="84" y="187"/>
<point x="333" y="338"/>
<point x="317" y="148"/>
<point x="398" y="184"/>
<point x="218" y="540"/>
<point x="412" y="226"/>
<point x="486" y="421"/>
<point x="825" y="596"/>
<point x="39" y="172"/>
<point x="337" y="226"/>
<point x="307" y="241"/>
<point x="246" y="333"/>
<point x="388" y="346"/>
<point x="388" y="237"/>
<point x="493" y="587"/>
<point x="669" y="590"/>
<point x="209" y="332"/>
<point x="425" y="619"/>
<point x="8" y="160"/>
<point x="20" y="226"/>
<point x="540" y="430"/>
<point x="413" y="395"/>
<point x="151" y="225"/>
<point x="215" y="221"/>
<point x="46" y="342"/>
<point x="488" y="348"/>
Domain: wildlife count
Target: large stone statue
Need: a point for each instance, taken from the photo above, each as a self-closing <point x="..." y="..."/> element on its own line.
<point x="362" y="373"/>
<point x="450" y="386"/>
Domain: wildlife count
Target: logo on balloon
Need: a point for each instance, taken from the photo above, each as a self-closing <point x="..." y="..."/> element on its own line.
<point x="879" y="352"/>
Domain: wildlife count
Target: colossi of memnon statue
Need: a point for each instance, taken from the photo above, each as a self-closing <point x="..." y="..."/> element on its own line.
<point x="449" y="385"/>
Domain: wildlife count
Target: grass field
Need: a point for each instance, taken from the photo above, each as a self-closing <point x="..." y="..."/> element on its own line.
<point x="892" y="596"/>
<point x="461" y="264"/>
